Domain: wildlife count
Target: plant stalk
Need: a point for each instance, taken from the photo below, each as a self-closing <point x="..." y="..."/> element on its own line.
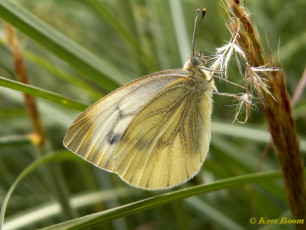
<point x="277" y="110"/>
<point x="38" y="137"/>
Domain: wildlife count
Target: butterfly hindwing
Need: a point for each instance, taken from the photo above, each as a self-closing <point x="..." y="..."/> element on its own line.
<point x="166" y="142"/>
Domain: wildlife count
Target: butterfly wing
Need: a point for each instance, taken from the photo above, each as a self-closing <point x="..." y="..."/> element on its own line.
<point x="166" y="142"/>
<point x="96" y="132"/>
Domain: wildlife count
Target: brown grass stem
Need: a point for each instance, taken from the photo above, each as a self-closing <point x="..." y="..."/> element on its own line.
<point x="277" y="110"/>
<point x="38" y="137"/>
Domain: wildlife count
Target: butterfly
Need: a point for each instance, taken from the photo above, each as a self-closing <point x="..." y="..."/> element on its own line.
<point x="154" y="132"/>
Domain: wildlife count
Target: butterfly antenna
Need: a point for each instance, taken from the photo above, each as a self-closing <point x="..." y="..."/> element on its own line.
<point x="196" y="27"/>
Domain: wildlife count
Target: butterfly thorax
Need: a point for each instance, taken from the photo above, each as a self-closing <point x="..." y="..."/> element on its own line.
<point x="196" y="66"/>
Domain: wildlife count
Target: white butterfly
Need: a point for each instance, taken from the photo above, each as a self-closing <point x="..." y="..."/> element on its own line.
<point x="153" y="132"/>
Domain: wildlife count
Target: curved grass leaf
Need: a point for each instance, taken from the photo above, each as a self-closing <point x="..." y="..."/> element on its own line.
<point x="95" y="219"/>
<point x="44" y="212"/>
<point x="52" y="157"/>
<point x="37" y="92"/>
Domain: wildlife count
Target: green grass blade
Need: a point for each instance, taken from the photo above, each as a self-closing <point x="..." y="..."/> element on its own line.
<point x="61" y="74"/>
<point x="79" y="58"/>
<point x="44" y="212"/>
<point x="37" y="92"/>
<point x="15" y="140"/>
<point x="60" y="156"/>
<point x="131" y="208"/>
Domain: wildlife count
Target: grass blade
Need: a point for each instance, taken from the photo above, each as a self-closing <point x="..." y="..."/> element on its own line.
<point x="37" y="92"/>
<point x="131" y="208"/>
<point x="60" y="156"/>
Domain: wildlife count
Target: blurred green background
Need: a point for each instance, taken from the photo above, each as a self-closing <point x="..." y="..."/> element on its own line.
<point x="121" y="40"/>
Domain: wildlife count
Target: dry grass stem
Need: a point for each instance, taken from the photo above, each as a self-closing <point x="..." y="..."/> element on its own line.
<point x="268" y="82"/>
<point x="38" y="137"/>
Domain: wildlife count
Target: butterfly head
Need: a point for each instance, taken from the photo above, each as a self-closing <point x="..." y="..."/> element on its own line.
<point x="196" y="61"/>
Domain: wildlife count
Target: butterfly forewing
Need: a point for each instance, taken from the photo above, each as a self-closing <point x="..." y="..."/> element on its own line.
<point x="97" y="131"/>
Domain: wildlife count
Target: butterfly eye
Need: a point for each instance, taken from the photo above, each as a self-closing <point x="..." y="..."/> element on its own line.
<point x="195" y="60"/>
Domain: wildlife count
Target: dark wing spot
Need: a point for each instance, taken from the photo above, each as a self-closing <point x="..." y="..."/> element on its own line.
<point x="119" y="112"/>
<point x="113" y="138"/>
